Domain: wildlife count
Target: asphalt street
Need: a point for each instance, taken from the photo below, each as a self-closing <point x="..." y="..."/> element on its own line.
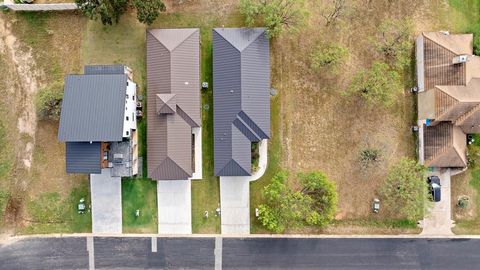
<point x="240" y="253"/>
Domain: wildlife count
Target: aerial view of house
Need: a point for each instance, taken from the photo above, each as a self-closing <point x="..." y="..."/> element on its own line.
<point x="174" y="122"/>
<point x="241" y="118"/>
<point x="241" y="97"/>
<point x="98" y="121"/>
<point x="449" y="97"/>
<point x="98" y="124"/>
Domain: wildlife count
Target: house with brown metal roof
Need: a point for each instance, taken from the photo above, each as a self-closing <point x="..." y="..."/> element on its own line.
<point x="173" y="104"/>
<point x="448" y="81"/>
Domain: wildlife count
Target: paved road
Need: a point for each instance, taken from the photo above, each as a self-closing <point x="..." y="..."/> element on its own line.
<point x="244" y="253"/>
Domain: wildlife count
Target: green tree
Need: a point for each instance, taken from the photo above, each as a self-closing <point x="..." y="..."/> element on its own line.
<point x="393" y="41"/>
<point x="405" y="189"/>
<point x="315" y="204"/>
<point x="148" y="10"/>
<point x="110" y="11"/>
<point x="48" y="102"/>
<point x="323" y="195"/>
<point x="378" y="85"/>
<point x="276" y="15"/>
<point x="329" y="56"/>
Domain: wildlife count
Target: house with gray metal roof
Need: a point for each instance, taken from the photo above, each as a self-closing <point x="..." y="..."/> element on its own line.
<point x="173" y="104"/>
<point x="241" y="97"/>
<point x="98" y="121"/>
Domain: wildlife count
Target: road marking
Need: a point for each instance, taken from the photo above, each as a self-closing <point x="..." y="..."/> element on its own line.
<point x="154" y="244"/>
<point x="218" y="253"/>
<point x="91" y="255"/>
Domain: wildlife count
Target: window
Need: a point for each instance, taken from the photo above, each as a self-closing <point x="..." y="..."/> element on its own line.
<point x="127" y="118"/>
<point x="126" y="108"/>
<point x="128" y="132"/>
<point x="133" y="97"/>
<point x="133" y="116"/>
<point x="127" y="96"/>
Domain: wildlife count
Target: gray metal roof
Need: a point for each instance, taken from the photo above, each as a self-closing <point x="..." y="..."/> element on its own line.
<point x="173" y="101"/>
<point x="93" y="108"/>
<point x="241" y="99"/>
<point x="83" y="157"/>
<point x="104" y="69"/>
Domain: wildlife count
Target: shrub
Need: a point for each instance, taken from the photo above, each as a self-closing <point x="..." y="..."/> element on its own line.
<point x="394" y="43"/>
<point x="369" y="156"/>
<point x="406" y="189"/>
<point x="48" y="102"/>
<point x="276" y="15"/>
<point x="328" y="56"/>
<point x="378" y="85"/>
<point x="315" y="204"/>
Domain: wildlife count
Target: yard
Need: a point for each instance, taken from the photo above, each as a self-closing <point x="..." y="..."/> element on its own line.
<point x="314" y="126"/>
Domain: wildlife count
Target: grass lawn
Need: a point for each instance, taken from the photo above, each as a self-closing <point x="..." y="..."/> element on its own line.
<point x="50" y="213"/>
<point x="139" y="194"/>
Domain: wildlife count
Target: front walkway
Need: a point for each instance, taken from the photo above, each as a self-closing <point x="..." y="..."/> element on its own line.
<point x="439" y="221"/>
<point x="106" y="194"/>
<point x="235" y="197"/>
<point x="174" y="200"/>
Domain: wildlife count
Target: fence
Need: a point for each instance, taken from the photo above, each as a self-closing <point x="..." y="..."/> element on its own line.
<point x="39" y="7"/>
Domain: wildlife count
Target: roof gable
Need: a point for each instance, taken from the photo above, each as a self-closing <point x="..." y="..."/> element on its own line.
<point x="240" y="38"/>
<point x="457" y="43"/>
<point x="172" y="38"/>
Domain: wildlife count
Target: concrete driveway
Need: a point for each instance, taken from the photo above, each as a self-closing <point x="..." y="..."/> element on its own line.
<point x="106" y="192"/>
<point x="174" y="200"/>
<point x="235" y="196"/>
<point x="439" y="221"/>
<point x="235" y="205"/>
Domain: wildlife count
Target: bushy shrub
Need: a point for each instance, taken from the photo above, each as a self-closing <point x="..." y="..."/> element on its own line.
<point x="275" y="15"/>
<point x="368" y="156"/>
<point x="48" y="102"/>
<point x="379" y="85"/>
<point x="329" y="56"/>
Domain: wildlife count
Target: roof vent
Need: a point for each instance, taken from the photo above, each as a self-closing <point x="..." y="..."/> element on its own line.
<point x="459" y="59"/>
<point x="445" y="33"/>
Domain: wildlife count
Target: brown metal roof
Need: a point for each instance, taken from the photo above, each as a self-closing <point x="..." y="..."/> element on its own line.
<point x="173" y="101"/>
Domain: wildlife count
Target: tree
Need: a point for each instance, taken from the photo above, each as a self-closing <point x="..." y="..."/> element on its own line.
<point x="331" y="15"/>
<point x="276" y="15"/>
<point x="329" y="56"/>
<point x="378" y="86"/>
<point x="323" y="195"/>
<point x="110" y="11"/>
<point x="406" y="190"/>
<point x="315" y="204"/>
<point x="148" y="10"/>
<point x="48" y="102"/>
<point x="393" y="41"/>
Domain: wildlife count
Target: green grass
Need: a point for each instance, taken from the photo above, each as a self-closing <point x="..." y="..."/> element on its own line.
<point x="466" y="19"/>
<point x="139" y="194"/>
<point x="50" y="213"/>
<point x="274" y="152"/>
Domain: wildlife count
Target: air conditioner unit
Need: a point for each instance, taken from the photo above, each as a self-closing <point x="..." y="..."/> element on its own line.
<point x="460" y="59"/>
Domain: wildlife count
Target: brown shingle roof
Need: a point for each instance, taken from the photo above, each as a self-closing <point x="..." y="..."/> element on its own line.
<point x="445" y="146"/>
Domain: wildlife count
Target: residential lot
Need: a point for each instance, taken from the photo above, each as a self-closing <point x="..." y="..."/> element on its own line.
<point x="314" y="126"/>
